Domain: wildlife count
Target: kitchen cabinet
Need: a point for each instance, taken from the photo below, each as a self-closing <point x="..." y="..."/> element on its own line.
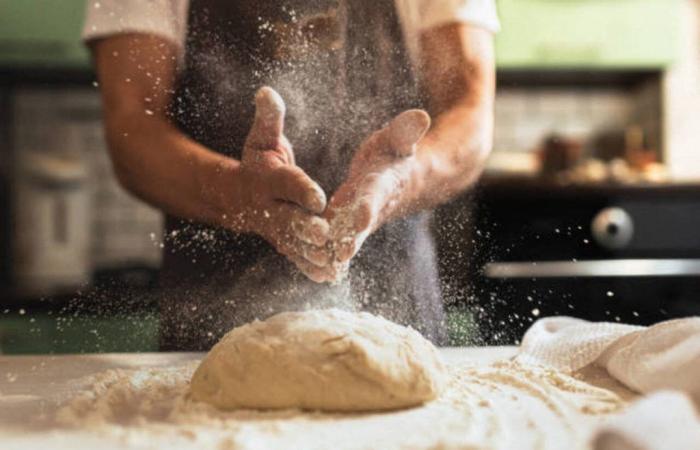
<point x="42" y="34"/>
<point x="619" y="34"/>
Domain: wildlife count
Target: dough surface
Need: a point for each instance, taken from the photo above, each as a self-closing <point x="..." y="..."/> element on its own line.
<point x="329" y="360"/>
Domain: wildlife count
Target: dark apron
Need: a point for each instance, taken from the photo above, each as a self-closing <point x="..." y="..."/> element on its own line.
<point x="343" y="71"/>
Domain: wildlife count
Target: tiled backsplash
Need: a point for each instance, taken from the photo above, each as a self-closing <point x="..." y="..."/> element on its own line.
<point x="526" y="115"/>
<point x="64" y="181"/>
<point x="130" y="228"/>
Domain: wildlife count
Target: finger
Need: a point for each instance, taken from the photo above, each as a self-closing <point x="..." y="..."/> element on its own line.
<point x="268" y="124"/>
<point x="406" y="130"/>
<point x="313" y="272"/>
<point x="293" y="248"/>
<point x="318" y="256"/>
<point x="286" y="147"/>
<point x="285" y="244"/>
<point x="291" y="220"/>
<point x="309" y="229"/>
<point x="292" y="184"/>
<point x="341" y="199"/>
<point x="345" y="250"/>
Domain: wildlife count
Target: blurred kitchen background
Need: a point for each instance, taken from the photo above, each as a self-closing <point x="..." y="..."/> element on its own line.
<point x="590" y="205"/>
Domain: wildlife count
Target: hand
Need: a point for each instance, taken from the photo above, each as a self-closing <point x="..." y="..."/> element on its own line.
<point x="376" y="184"/>
<point x="279" y="201"/>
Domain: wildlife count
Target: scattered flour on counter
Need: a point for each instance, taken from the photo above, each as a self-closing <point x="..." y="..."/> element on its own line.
<point x="504" y="405"/>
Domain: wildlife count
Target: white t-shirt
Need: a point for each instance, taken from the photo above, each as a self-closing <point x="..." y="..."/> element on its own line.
<point x="168" y="18"/>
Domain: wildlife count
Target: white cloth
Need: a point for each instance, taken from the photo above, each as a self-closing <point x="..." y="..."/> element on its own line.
<point x="663" y="356"/>
<point x="164" y="18"/>
<point x="665" y="420"/>
<point x="647" y="360"/>
<point x="168" y="18"/>
<point x="569" y="344"/>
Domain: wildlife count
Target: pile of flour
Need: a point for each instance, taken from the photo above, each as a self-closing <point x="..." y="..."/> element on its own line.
<point x="500" y="405"/>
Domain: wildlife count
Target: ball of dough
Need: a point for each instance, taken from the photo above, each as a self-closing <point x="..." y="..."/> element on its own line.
<point x="329" y="360"/>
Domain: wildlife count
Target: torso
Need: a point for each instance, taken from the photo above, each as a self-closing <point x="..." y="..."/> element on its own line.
<point x="343" y="73"/>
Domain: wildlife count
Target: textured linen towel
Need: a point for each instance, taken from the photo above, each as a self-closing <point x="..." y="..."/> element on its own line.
<point x="665" y="420"/>
<point x="645" y="359"/>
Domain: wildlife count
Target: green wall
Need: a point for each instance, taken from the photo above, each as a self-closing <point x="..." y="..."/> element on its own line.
<point x="42" y="33"/>
<point x="535" y="33"/>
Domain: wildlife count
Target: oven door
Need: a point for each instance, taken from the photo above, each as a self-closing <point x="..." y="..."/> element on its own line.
<point x="629" y="254"/>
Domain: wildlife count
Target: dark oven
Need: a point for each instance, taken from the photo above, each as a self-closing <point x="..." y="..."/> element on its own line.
<point x="615" y="253"/>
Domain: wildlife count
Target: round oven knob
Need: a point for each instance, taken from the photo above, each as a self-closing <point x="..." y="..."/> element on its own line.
<point x="612" y="228"/>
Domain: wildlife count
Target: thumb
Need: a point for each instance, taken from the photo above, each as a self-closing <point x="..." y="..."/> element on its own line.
<point x="406" y="130"/>
<point x="268" y="125"/>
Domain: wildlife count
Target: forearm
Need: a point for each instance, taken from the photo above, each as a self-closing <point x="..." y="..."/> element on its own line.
<point x="448" y="160"/>
<point x="162" y="166"/>
<point x="452" y="155"/>
<point x="459" y="77"/>
<point x="150" y="156"/>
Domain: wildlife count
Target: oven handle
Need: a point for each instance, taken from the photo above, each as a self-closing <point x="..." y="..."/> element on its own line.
<point x="604" y="268"/>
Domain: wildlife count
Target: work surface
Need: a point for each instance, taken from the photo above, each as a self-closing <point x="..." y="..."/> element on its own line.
<point x="139" y="401"/>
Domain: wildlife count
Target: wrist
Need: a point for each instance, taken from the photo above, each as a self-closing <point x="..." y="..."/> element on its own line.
<point x="410" y="198"/>
<point x="219" y="179"/>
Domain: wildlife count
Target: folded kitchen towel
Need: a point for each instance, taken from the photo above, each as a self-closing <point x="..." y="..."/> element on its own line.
<point x="665" y="420"/>
<point x="569" y="344"/>
<point x="663" y="356"/>
<point x="645" y="359"/>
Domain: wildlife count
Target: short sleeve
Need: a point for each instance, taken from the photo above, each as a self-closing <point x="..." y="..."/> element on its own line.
<point x="430" y="13"/>
<point x="164" y="18"/>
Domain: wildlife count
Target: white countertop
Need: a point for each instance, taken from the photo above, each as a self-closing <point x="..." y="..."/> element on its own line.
<point x="34" y="386"/>
<point x="139" y="401"/>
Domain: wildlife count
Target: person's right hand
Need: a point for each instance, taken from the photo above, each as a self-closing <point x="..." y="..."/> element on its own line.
<point x="279" y="201"/>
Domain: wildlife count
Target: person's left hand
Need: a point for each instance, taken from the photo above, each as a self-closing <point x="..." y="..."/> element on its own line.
<point x="377" y="181"/>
